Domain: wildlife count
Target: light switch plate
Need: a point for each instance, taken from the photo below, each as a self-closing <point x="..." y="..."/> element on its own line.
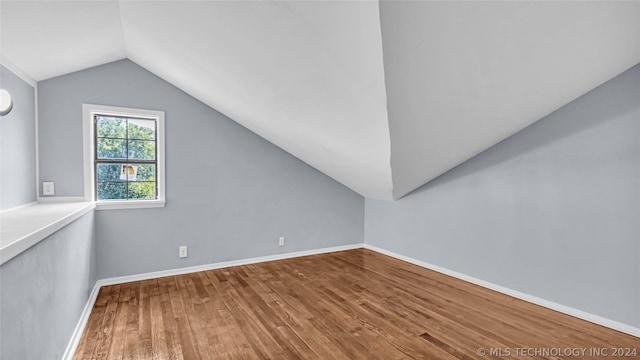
<point x="48" y="188"/>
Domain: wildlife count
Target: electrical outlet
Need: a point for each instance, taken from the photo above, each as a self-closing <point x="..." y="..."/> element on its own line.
<point x="182" y="251"/>
<point x="281" y="241"/>
<point x="48" y="188"/>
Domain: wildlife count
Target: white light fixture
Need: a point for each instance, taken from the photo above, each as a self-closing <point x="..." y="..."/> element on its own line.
<point x="6" y="103"/>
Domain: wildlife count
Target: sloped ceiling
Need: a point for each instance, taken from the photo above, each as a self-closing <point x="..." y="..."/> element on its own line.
<point x="382" y="97"/>
<point x="462" y="76"/>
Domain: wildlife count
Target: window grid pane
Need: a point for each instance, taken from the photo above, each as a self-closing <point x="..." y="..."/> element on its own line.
<point x="110" y="148"/>
<point x="125" y="158"/>
<point x="141" y="149"/>
<point x="111" y="127"/>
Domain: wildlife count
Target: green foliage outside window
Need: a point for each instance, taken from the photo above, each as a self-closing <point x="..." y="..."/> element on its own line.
<point x="125" y="158"/>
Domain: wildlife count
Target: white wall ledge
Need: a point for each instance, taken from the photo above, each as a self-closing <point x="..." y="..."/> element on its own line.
<point x="23" y="227"/>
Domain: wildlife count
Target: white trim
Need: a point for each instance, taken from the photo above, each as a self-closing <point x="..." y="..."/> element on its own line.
<point x="129" y="204"/>
<point x="82" y="323"/>
<point x="61" y="199"/>
<point x="516" y="294"/>
<point x="17" y="71"/>
<point x="87" y="146"/>
<point x="88" y="110"/>
<point x="103" y="205"/>
<point x="77" y="334"/>
<point x="226" y="264"/>
<point x="37" y="139"/>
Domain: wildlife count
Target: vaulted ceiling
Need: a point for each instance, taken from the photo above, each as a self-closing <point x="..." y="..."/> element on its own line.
<point x="381" y="96"/>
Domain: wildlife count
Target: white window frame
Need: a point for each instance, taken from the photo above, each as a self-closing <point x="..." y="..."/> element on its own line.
<point x="88" y="128"/>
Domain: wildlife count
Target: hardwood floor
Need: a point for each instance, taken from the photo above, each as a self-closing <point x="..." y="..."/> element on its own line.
<point x="354" y="304"/>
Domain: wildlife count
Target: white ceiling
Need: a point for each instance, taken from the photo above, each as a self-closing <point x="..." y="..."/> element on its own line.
<point x="462" y="76"/>
<point x="309" y="75"/>
<point x="51" y="38"/>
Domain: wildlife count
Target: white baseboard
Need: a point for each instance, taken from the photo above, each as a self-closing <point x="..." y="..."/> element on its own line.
<point x="84" y="317"/>
<point x="77" y="334"/>
<point x="628" y="329"/>
<point x="220" y="265"/>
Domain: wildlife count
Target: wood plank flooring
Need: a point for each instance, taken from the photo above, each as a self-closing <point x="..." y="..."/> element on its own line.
<point x="354" y="304"/>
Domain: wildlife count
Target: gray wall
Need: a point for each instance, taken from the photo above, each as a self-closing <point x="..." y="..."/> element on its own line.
<point x="17" y="144"/>
<point x="44" y="291"/>
<point x="230" y="193"/>
<point x="553" y="211"/>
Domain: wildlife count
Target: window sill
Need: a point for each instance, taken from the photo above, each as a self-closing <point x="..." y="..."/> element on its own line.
<point x="124" y="205"/>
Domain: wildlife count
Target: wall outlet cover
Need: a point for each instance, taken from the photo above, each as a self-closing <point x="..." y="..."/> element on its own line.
<point x="48" y="188"/>
<point x="182" y="251"/>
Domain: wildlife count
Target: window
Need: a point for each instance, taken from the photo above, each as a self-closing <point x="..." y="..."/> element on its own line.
<point x="124" y="157"/>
